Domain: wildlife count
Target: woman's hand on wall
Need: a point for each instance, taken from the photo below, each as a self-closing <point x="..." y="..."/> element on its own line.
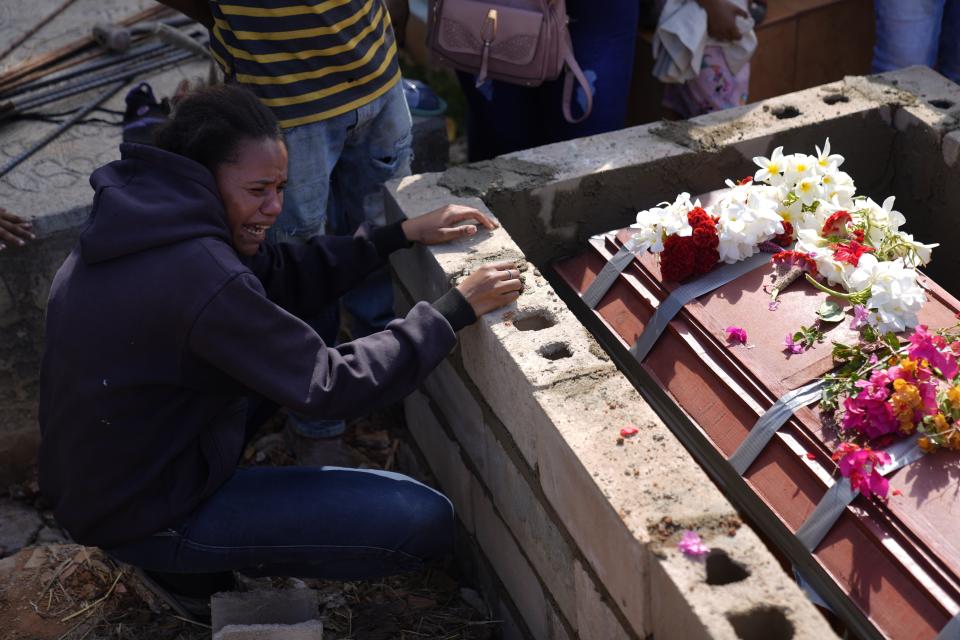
<point x="443" y="224"/>
<point x="14" y="230"/>
<point x="492" y="286"/>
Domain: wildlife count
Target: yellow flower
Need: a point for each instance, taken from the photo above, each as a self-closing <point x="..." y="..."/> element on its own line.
<point x="953" y="440"/>
<point x="940" y="421"/>
<point x="909" y="366"/>
<point x="953" y="397"/>
<point x="926" y="445"/>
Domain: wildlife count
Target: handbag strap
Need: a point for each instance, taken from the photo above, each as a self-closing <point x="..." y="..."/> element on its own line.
<point x="574" y="71"/>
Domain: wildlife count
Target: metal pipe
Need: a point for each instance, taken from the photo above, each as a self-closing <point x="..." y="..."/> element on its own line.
<point x="93" y="104"/>
<point x="89" y="67"/>
<point x="11" y="108"/>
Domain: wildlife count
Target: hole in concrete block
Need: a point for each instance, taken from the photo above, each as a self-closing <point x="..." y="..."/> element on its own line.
<point x="834" y="98"/>
<point x="534" y="321"/>
<point x="941" y="104"/>
<point x="762" y="623"/>
<point x="555" y="351"/>
<point x="722" y="570"/>
<point x="786" y="111"/>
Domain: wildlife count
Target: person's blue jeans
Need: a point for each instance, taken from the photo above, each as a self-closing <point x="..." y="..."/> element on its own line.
<point x="503" y="117"/>
<point x="337" y="168"/>
<point x="326" y="522"/>
<point x="913" y="32"/>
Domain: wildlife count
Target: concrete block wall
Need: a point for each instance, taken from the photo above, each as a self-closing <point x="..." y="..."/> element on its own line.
<point x="521" y="428"/>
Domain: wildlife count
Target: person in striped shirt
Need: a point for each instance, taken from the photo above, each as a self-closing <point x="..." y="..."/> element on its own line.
<point x="328" y="69"/>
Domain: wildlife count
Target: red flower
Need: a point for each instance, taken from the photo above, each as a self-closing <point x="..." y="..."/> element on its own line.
<point x="858" y="235"/>
<point x="628" y="431"/>
<point x="705" y="260"/>
<point x="695" y="254"/>
<point x="706" y="237"/>
<point x="836" y="224"/>
<point x="850" y="252"/>
<point x="744" y="181"/>
<point x="698" y="217"/>
<point x="785" y="239"/>
<point x="788" y="260"/>
<point x="677" y="258"/>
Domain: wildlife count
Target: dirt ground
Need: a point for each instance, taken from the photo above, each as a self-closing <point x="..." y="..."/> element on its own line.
<point x="70" y="592"/>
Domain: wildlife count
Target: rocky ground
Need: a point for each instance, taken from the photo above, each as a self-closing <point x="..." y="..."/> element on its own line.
<point x="51" y="589"/>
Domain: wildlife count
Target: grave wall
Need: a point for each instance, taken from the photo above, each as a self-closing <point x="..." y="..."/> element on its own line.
<point x="521" y="424"/>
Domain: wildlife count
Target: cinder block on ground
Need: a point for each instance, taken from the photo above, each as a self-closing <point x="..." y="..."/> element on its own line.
<point x="263" y="607"/>
<point x="311" y="630"/>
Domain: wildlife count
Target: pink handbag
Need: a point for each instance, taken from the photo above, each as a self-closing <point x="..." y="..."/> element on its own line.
<point x="523" y="42"/>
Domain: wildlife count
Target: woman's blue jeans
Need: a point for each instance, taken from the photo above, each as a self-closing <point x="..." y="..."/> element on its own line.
<point x="327" y="522"/>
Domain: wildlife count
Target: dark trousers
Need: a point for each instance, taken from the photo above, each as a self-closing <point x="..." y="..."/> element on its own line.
<point x="503" y="117"/>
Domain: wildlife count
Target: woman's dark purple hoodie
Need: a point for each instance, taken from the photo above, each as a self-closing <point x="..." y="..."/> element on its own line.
<point x="157" y="331"/>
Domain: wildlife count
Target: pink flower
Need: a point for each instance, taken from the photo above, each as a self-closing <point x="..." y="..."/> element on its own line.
<point x="790" y="346"/>
<point x="692" y="545"/>
<point x="860" y="316"/>
<point x="628" y="432"/>
<point x="737" y="334"/>
<point x="869" y="412"/>
<point x="925" y="346"/>
<point x="859" y="465"/>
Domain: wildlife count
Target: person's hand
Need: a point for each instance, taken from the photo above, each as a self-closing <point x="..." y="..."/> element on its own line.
<point x="491" y="286"/>
<point x="14" y="230"/>
<point x="722" y="19"/>
<point x="442" y="225"/>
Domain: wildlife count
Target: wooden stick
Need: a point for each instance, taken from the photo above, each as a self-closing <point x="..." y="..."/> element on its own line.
<point x="32" y="30"/>
<point x="72" y="48"/>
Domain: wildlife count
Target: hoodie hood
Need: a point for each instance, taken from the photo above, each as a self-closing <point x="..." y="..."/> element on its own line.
<point x="150" y="198"/>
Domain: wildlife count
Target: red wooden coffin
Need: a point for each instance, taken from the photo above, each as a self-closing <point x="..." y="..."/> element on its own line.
<point x="887" y="570"/>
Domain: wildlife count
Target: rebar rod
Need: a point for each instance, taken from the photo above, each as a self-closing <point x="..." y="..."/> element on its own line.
<point x="44" y="141"/>
<point x="13" y="108"/>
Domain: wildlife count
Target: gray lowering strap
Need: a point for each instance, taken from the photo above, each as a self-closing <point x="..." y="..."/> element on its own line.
<point x="608" y="275"/>
<point x="951" y="631"/>
<point x="841" y="494"/>
<point x="770" y="422"/>
<point x="688" y="292"/>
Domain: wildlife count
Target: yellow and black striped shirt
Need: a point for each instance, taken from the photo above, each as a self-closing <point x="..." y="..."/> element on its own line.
<point x="308" y="60"/>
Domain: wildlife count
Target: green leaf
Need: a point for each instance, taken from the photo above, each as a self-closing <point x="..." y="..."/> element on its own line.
<point x="830" y="311"/>
<point x="892" y="341"/>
